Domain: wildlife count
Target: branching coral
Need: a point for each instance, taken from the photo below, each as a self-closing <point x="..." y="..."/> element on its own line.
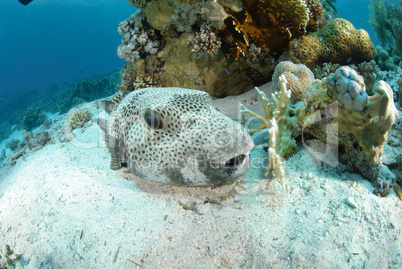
<point x="323" y="71"/>
<point x="286" y="115"/>
<point x="280" y="117"/>
<point x="79" y="118"/>
<point x="139" y="39"/>
<point x="206" y="42"/>
<point x="266" y="24"/>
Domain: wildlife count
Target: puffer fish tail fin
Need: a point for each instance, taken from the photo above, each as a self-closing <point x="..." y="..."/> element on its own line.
<point x="113" y="147"/>
<point x="112" y="144"/>
<point x="108" y="106"/>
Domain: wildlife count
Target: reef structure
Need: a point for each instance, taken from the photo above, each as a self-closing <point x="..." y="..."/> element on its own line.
<point x="223" y="47"/>
<point x="336" y="110"/>
<point x="338" y="42"/>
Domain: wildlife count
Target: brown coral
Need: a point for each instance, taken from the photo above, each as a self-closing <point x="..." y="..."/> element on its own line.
<point x="267" y="24"/>
<point x="337" y="42"/>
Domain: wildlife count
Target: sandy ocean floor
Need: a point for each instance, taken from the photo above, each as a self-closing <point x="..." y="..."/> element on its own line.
<point x="61" y="207"/>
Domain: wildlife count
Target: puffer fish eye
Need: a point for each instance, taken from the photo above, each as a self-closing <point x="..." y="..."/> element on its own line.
<point x="153" y="119"/>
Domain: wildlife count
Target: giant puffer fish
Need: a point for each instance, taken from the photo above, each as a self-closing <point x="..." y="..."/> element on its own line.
<point x="175" y="136"/>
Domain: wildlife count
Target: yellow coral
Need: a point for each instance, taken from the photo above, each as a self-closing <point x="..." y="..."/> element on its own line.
<point x="337" y="42"/>
<point x="298" y="77"/>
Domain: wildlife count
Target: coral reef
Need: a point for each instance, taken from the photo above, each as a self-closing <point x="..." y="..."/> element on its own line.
<point x="338" y="42"/>
<point x="274" y="28"/>
<point x="185" y="17"/>
<point x="206" y="42"/>
<point x="298" y="77"/>
<point x="13" y="144"/>
<point x="79" y="118"/>
<point x="217" y="75"/>
<point x="386" y="20"/>
<point x="33" y="118"/>
<point x="324" y="70"/>
<point x="338" y="111"/>
<point x="368" y="118"/>
<point x="88" y="90"/>
<point x="383" y="60"/>
<point x="139" y="39"/>
<point x="254" y="32"/>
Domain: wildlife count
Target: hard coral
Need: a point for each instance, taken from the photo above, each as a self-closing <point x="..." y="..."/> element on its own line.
<point x="79" y="118"/>
<point x="337" y="42"/>
<point x="33" y="118"/>
<point x="368" y="118"/>
<point x="268" y="24"/>
<point x="262" y="23"/>
<point x="206" y="42"/>
<point x="286" y="115"/>
<point x="139" y="39"/>
<point x="298" y="77"/>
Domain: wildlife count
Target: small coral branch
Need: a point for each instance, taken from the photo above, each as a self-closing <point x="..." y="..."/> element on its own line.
<point x="277" y="118"/>
<point x="276" y="162"/>
<point x="207" y="42"/>
<point x="268" y="109"/>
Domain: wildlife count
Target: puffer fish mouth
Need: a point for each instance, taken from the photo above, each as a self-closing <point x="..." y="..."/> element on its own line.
<point x="236" y="165"/>
<point x="235" y="161"/>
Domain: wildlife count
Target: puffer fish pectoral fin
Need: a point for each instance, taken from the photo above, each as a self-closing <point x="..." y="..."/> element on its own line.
<point x="108" y="106"/>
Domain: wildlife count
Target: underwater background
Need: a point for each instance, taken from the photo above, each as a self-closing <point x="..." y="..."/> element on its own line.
<point x="312" y="196"/>
<point x="47" y="43"/>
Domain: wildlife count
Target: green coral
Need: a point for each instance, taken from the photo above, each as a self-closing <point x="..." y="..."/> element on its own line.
<point x="88" y="90"/>
<point x="33" y="118"/>
<point x="286" y="115"/>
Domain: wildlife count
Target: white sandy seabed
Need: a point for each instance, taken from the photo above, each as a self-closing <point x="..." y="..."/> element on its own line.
<point x="61" y="207"/>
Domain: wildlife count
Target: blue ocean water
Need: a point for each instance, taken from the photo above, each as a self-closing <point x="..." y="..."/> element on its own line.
<point x="48" y="41"/>
<point x="357" y="12"/>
